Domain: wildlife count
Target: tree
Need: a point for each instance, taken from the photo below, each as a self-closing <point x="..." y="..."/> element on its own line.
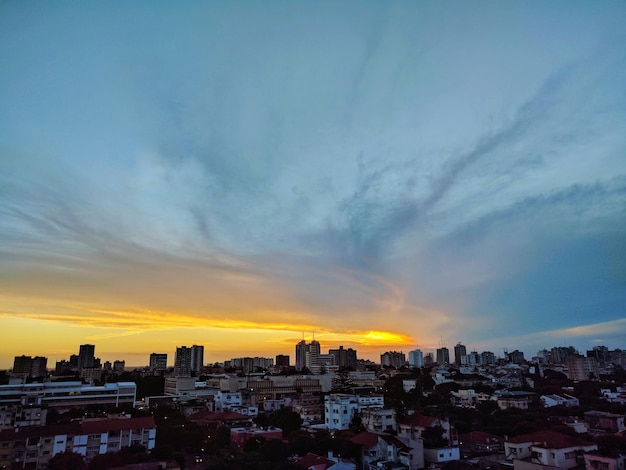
<point x="356" y="424"/>
<point x="67" y="460"/>
<point x="274" y="450"/>
<point x="287" y="420"/>
<point x="302" y="443"/>
<point x="342" y="383"/>
<point x="433" y="437"/>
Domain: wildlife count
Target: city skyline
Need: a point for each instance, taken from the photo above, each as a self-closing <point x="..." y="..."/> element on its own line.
<point x="298" y="364"/>
<point x="384" y="174"/>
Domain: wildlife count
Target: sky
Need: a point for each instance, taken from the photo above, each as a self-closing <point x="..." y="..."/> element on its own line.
<point x="243" y="174"/>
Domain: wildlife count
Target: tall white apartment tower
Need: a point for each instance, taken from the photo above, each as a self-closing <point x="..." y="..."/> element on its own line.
<point x="416" y="358"/>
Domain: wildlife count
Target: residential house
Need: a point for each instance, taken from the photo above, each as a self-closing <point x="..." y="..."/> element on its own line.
<point x="316" y="462"/>
<point x="412" y="428"/>
<point x="514" y="399"/>
<point x="548" y="448"/>
<point x="385" y="451"/>
<point x="614" y="461"/>
<point x="379" y="420"/>
<point x="239" y="436"/>
<point x="228" y="419"/>
<point x="557" y="400"/>
<point x="600" y="421"/>
<point x="478" y="443"/>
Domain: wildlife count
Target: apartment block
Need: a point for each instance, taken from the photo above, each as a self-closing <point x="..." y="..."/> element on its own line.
<point x="33" y="447"/>
<point x="68" y="395"/>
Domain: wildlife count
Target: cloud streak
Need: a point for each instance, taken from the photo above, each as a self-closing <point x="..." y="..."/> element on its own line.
<point x="348" y="169"/>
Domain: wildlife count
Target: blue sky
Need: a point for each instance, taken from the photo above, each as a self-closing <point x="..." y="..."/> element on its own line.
<point x="434" y="170"/>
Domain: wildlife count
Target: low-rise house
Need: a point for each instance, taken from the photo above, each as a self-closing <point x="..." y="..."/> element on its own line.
<point x="309" y="407"/>
<point x="414" y="428"/>
<point x="548" y="448"/>
<point x="316" y="462"/>
<point x="558" y="400"/>
<point x="619" y="396"/>
<point x="468" y="398"/>
<point x="381" y="451"/>
<point x="239" y="436"/>
<point x="478" y="442"/>
<point x="600" y="421"/>
<point x="614" y="461"/>
<point x="379" y="420"/>
<point x="216" y="420"/>
<point x="514" y="399"/>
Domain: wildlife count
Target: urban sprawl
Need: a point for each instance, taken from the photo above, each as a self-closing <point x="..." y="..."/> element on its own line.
<point x="453" y="409"/>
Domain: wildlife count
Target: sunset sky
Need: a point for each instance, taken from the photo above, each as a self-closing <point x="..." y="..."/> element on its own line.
<point x="388" y="175"/>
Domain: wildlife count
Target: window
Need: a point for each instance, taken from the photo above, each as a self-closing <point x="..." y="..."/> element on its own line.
<point x="570" y="455"/>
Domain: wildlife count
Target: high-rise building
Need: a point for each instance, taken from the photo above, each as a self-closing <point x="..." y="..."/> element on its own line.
<point x="86" y="356"/>
<point x="39" y="367"/>
<point x="559" y="355"/>
<point x="393" y="359"/>
<point x="197" y="358"/>
<point x="344" y="358"/>
<point x="487" y="358"/>
<point x="158" y="363"/>
<point x="443" y="356"/>
<point x="22" y="365"/>
<point x="118" y="366"/>
<point x="582" y="368"/>
<point x="309" y="356"/>
<point x="460" y="355"/>
<point x="301" y="350"/>
<point x="282" y="360"/>
<point x="416" y="358"/>
<point x="428" y="359"/>
<point x="182" y="362"/>
<point x="516" y="357"/>
<point x="313" y="355"/>
<point x="474" y="359"/>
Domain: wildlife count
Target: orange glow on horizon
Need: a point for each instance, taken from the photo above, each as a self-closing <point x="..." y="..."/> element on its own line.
<point x="60" y="334"/>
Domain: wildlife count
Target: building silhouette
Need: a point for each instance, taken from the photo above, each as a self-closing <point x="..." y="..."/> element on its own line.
<point x="86" y="356"/>
<point x="197" y="358"/>
<point x="393" y="359"/>
<point x="182" y="362"/>
<point x="344" y="358"/>
<point x="460" y="355"/>
<point x="158" y="363"/>
<point x="443" y="356"/>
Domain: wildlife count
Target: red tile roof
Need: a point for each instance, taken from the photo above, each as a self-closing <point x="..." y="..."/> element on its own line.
<point x="314" y="460"/>
<point x="206" y="416"/>
<point x="365" y="439"/>
<point x="479" y="437"/>
<point x="419" y="421"/>
<point x="77" y="428"/>
<point x="549" y="440"/>
<point x="124" y="424"/>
